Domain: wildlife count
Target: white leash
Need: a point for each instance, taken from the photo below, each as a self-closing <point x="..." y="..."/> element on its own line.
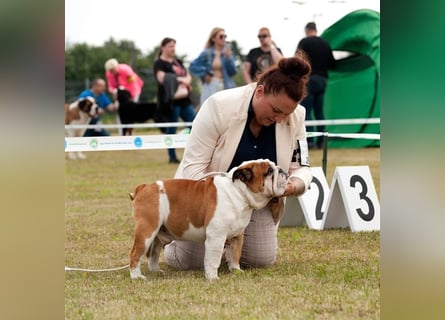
<point x="96" y="270"/>
<point x="214" y="173"/>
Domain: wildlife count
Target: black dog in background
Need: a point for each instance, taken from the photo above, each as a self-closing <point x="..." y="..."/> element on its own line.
<point x="133" y="112"/>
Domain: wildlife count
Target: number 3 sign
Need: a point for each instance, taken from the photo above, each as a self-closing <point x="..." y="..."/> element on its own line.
<point x="352" y="201"/>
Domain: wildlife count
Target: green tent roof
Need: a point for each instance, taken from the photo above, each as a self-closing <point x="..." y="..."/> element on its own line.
<point x="358" y="32"/>
<point x="353" y="89"/>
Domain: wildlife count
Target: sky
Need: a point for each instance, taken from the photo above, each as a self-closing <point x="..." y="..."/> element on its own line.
<point x="147" y="22"/>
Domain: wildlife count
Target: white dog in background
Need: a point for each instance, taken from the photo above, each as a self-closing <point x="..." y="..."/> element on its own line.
<point x="79" y="112"/>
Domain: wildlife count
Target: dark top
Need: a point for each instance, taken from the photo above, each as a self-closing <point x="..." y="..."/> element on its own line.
<point x="251" y="148"/>
<point x="176" y="68"/>
<point x="259" y="60"/>
<point x="319" y="53"/>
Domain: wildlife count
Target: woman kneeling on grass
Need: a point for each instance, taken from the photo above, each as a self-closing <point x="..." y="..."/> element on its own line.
<point x="259" y="120"/>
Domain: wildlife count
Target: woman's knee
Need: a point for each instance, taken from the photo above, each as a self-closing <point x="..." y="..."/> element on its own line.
<point x="184" y="255"/>
<point x="260" y="248"/>
<point x="259" y="258"/>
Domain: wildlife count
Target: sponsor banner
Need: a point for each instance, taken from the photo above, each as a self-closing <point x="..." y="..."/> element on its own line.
<point x="125" y="142"/>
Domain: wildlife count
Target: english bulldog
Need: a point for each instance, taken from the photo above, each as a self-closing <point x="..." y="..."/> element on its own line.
<point x="79" y="112"/>
<point x="214" y="210"/>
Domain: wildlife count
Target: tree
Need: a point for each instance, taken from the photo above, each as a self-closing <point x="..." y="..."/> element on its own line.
<point x="84" y="62"/>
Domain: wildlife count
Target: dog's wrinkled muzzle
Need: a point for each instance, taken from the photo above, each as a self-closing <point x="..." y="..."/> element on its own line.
<point x="282" y="172"/>
<point x="279" y="181"/>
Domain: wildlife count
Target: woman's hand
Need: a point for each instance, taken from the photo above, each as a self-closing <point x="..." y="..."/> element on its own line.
<point x="207" y="78"/>
<point x="294" y="187"/>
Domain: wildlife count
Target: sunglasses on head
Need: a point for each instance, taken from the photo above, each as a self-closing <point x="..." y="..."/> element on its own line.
<point x="262" y="36"/>
<point x="222" y="36"/>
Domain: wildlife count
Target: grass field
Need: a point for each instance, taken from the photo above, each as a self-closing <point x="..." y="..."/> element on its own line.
<point x="329" y="274"/>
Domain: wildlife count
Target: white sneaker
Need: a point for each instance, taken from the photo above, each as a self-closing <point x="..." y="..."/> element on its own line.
<point x="72" y="156"/>
<point x="81" y="155"/>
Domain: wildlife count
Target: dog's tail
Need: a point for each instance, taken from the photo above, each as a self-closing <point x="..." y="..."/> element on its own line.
<point x="132" y="195"/>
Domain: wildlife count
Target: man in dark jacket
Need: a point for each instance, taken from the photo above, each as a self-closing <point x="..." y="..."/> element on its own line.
<point x="320" y="56"/>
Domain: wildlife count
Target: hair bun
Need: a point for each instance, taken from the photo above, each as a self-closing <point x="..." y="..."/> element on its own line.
<point x="295" y="66"/>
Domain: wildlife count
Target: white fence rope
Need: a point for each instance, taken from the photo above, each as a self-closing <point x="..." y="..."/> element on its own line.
<point x="342" y="121"/>
<point x="135" y="125"/>
<point x="188" y="124"/>
<point x="369" y="136"/>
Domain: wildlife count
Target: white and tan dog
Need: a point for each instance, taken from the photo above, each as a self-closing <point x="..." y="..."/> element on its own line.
<point x="79" y="112"/>
<point x="211" y="210"/>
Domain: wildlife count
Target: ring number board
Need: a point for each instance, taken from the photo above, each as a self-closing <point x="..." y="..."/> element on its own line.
<point x="352" y="201"/>
<point x="309" y="208"/>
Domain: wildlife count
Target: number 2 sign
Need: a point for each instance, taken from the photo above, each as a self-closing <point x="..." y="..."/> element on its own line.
<point x="352" y="201"/>
<point x="309" y="208"/>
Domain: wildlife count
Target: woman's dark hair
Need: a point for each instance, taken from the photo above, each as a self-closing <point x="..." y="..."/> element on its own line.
<point x="164" y="42"/>
<point x="289" y="75"/>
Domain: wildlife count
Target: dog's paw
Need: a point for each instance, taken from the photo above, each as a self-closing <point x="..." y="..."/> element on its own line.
<point x="136" y="274"/>
<point x="155" y="269"/>
<point x="237" y="271"/>
<point x="138" y="277"/>
<point x="211" y="276"/>
<point x="233" y="266"/>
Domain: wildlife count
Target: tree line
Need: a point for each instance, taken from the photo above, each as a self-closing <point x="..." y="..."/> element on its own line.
<point x="84" y="63"/>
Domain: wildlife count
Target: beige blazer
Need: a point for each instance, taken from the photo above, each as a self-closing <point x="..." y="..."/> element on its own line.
<point x="217" y="130"/>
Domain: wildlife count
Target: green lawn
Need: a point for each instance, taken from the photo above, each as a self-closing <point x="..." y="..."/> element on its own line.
<point x="329" y="274"/>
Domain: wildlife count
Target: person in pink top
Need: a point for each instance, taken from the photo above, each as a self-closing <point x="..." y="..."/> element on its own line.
<point x="122" y="75"/>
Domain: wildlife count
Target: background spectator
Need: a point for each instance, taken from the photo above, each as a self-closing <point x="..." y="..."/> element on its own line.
<point x="215" y="65"/>
<point x="321" y="59"/>
<point x="174" y="87"/>
<point x="97" y="91"/>
<point x="122" y="75"/>
<point x="262" y="57"/>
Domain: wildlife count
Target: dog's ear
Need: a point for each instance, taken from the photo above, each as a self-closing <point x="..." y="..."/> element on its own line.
<point x="244" y="174"/>
<point x="74" y="105"/>
<point x="83" y="104"/>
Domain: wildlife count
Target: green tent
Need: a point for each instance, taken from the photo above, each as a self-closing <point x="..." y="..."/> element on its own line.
<point x="353" y="89"/>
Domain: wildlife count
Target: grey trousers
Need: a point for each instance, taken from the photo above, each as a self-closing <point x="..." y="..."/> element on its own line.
<point x="260" y="246"/>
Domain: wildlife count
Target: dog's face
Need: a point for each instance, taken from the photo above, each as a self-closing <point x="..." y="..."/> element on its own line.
<point x="262" y="178"/>
<point x="88" y="105"/>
